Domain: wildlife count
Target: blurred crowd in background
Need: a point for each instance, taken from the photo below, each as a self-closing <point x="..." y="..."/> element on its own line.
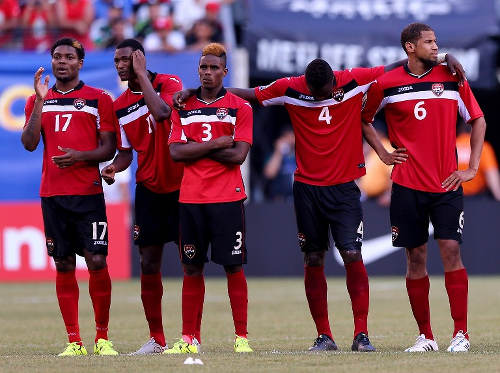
<point x="162" y="25"/>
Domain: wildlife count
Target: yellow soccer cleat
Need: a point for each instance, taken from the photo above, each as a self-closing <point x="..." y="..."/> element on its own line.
<point x="105" y="348"/>
<point x="182" y="347"/>
<point x="241" y="345"/>
<point x="74" y="349"/>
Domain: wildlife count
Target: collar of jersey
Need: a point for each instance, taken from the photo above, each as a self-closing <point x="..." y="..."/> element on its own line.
<point x="415" y="75"/>
<point x="153" y="77"/>
<point x="222" y="92"/>
<point x="78" y="86"/>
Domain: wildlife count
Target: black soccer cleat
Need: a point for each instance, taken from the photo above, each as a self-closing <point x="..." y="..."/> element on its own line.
<point x="361" y="343"/>
<point x="323" y="343"/>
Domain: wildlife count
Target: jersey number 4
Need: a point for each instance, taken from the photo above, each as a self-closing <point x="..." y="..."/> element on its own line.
<point x="66" y="123"/>
<point x="325" y="115"/>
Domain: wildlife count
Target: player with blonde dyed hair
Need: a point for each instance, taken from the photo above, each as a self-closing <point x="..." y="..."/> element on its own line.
<point x="212" y="134"/>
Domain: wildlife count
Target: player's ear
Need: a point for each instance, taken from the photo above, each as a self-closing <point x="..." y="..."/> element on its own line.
<point x="80" y="64"/>
<point x="410" y="47"/>
<point x="225" y="71"/>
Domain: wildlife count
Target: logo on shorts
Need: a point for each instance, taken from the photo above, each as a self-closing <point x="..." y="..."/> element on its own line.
<point x="395" y="233"/>
<point x="338" y="94"/>
<point x="137" y="230"/>
<point x="50" y="246"/>
<point x="190" y="251"/>
<point x="221" y="112"/>
<point x="302" y="239"/>
<point x="79" y="103"/>
<point x="438" y="89"/>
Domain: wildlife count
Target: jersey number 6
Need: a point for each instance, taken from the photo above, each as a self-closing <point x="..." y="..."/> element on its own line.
<point x="419" y="110"/>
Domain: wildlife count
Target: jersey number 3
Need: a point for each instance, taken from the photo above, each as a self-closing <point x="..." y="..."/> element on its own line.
<point x="65" y="126"/>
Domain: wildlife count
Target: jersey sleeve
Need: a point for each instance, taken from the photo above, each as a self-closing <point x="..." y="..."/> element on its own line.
<point x="244" y="124"/>
<point x="106" y="116"/>
<point x="28" y="109"/>
<point x="365" y="75"/>
<point x="467" y="105"/>
<point x="273" y="93"/>
<point x="374" y="102"/>
<point x="122" y="142"/>
<point x="170" y="85"/>
<point x="176" y="132"/>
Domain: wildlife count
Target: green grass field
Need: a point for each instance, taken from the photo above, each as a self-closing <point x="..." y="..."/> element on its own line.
<point x="32" y="331"/>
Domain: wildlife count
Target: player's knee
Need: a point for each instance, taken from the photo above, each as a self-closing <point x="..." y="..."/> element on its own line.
<point x="450" y="254"/>
<point x="233" y="269"/>
<point x="65" y="264"/>
<point x="193" y="270"/>
<point x="150" y="267"/>
<point x="96" y="262"/>
<point x="314" y="259"/>
<point x="351" y="256"/>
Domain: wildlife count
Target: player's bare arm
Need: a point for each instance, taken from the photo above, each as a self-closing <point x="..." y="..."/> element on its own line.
<point x="104" y="152"/>
<point x="398" y="156"/>
<point x="121" y="162"/>
<point x="192" y="151"/>
<point x="454" y="181"/>
<point x="31" y="133"/>
<point x="234" y="155"/>
<point x="453" y="64"/>
<point x="157" y="107"/>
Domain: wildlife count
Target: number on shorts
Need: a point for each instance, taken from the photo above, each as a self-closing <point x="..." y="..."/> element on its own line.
<point x="360" y="229"/>
<point x="239" y="237"/>
<point x="94" y="229"/>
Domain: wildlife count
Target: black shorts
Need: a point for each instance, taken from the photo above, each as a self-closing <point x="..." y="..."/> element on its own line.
<point x="412" y="209"/>
<point x="156" y="217"/>
<point x="74" y="223"/>
<point x="318" y="208"/>
<point x="222" y="225"/>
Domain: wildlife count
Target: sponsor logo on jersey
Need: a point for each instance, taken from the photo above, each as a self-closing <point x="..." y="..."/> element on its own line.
<point x="405" y="89"/>
<point x="190" y="251"/>
<point x="394" y="233"/>
<point x="236" y="252"/>
<point x="306" y="97"/>
<point x="262" y="87"/>
<point x="137" y="230"/>
<point x="79" y="103"/>
<point x="133" y="107"/>
<point x="302" y="239"/>
<point x="438" y="89"/>
<point x="50" y="246"/>
<point x="221" y="112"/>
<point x="338" y="94"/>
<point x="192" y="112"/>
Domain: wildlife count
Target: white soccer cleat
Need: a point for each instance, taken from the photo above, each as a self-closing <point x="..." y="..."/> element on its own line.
<point x="149" y="348"/>
<point x="459" y="343"/>
<point x="423" y="344"/>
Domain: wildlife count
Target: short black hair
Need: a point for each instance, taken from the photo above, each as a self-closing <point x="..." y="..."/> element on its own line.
<point x="318" y="73"/>
<point x="411" y="33"/>
<point x="132" y="43"/>
<point x="72" y="43"/>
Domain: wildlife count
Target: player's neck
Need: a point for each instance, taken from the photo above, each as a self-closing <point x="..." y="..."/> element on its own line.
<point x="67" y="86"/>
<point x="210" y="94"/>
<point x="417" y="67"/>
<point x="134" y="85"/>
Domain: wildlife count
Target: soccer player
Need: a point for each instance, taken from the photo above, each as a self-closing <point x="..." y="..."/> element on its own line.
<point x="421" y="100"/>
<point x="143" y="114"/>
<point x="212" y="135"/>
<point x="77" y="125"/>
<point x="325" y="108"/>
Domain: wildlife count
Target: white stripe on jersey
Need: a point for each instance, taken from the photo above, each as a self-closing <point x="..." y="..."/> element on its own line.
<point x="63" y="108"/>
<point x="134" y="115"/>
<point x="207" y="119"/>
<point x="428" y="95"/>
<point x="123" y="139"/>
<point x="330" y="102"/>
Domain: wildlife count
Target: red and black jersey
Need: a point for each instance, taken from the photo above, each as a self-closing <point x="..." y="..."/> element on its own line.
<point x="327" y="133"/>
<point x="207" y="180"/>
<point x="73" y="120"/>
<point x="421" y="115"/>
<point x="139" y="131"/>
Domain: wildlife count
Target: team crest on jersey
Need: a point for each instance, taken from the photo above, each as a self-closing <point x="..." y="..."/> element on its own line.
<point x="438" y="89"/>
<point x="338" y="94"/>
<point x="221" y="113"/>
<point x="394" y="233"/>
<point x="79" y="103"/>
<point x="190" y="251"/>
<point x="137" y="230"/>
<point x="50" y="246"/>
